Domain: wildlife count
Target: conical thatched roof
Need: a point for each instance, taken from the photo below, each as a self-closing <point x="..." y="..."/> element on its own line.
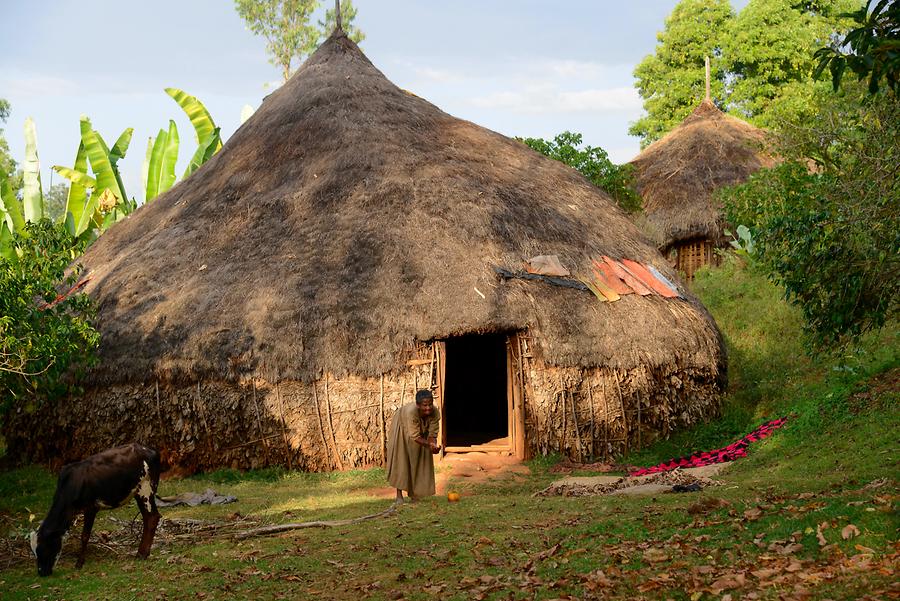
<point x="677" y="176"/>
<point x="348" y="218"/>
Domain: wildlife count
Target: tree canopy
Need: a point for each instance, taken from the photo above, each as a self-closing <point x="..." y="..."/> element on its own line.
<point x="289" y="34"/>
<point x="831" y="235"/>
<point x="593" y="163"/>
<point x="762" y="59"/>
<point x="872" y="48"/>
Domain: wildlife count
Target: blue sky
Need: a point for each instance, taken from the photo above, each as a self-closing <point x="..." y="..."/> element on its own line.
<point x="522" y="68"/>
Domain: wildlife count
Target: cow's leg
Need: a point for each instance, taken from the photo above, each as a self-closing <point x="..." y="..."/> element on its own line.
<point x="150" y="513"/>
<point x="89" y="515"/>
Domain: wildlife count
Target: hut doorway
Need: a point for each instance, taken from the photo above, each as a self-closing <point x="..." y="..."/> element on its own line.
<point x="476" y="402"/>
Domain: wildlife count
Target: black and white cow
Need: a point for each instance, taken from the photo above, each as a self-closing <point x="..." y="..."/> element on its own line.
<point x="103" y="481"/>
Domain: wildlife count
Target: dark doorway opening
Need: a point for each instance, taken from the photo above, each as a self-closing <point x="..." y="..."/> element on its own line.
<point x="475" y="391"/>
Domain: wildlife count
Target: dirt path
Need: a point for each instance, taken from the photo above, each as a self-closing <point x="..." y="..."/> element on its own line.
<point x="465" y="468"/>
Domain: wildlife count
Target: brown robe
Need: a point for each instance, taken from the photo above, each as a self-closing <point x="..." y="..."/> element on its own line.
<point x="410" y="466"/>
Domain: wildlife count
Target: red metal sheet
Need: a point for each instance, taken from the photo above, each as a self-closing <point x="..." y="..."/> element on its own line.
<point x="626" y="277"/>
<point x="641" y="273"/>
<point x="605" y="286"/>
<point x="617" y="284"/>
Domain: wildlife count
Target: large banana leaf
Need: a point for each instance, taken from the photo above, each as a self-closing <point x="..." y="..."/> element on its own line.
<point x="161" y="170"/>
<point x="86" y="216"/>
<point x="77" y="198"/>
<point x="205" y="150"/>
<point x="32" y="195"/>
<point x="98" y="155"/>
<point x="121" y="146"/>
<point x="10" y="208"/>
<point x="145" y="168"/>
<point x="79" y="178"/>
<point x="197" y="113"/>
<point x="7" y="248"/>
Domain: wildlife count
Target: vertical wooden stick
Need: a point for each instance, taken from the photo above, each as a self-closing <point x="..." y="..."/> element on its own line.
<point x="383" y="429"/>
<point x="707" y="79"/>
<point x="622" y="403"/>
<point x="577" y="431"/>
<point x="562" y="386"/>
<point x="259" y="421"/>
<point x="331" y="426"/>
<point x="593" y="428"/>
<point x="284" y="435"/>
<point x="321" y="425"/>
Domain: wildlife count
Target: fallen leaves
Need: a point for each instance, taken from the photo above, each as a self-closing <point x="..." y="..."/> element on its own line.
<point x="849" y="531"/>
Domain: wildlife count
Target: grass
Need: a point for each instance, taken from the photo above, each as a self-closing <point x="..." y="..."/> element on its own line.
<point x="761" y="535"/>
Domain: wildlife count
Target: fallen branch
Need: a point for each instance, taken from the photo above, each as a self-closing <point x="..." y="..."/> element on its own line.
<point x="266" y="530"/>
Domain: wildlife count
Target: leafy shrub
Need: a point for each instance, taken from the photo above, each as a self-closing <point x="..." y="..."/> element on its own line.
<point x="830" y="234"/>
<point x="43" y="339"/>
<point x="593" y="163"/>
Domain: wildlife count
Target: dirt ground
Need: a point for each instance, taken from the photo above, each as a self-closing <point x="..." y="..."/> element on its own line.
<point x="466" y="467"/>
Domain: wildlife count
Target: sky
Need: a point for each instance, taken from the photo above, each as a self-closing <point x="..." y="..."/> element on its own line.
<point x="529" y="68"/>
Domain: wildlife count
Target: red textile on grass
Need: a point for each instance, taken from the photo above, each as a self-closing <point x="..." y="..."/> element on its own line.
<point x="730" y="453"/>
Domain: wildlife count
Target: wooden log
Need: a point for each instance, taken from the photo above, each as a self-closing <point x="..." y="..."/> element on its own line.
<point x="266" y="530"/>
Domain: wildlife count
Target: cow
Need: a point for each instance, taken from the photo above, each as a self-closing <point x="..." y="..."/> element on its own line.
<point x="103" y="481"/>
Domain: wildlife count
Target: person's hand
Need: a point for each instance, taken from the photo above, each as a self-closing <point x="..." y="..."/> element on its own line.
<point x="435" y="448"/>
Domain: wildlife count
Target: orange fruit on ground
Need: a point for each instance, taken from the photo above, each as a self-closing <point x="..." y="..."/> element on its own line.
<point x="453" y="497"/>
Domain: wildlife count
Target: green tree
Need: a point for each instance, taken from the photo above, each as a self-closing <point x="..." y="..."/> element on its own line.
<point x="672" y="79"/>
<point x="770" y="45"/>
<point x="874" y="47"/>
<point x="761" y="60"/>
<point x="44" y="339"/>
<point x="7" y="164"/>
<point x="831" y="235"/>
<point x="593" y="163"/>
<point x="348" y="16"/>
<point x="286" y="27"/>
<point x="55" y="202"/>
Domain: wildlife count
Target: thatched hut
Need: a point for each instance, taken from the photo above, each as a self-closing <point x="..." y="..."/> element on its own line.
<point x="338" y="253"/>
<point x="678" y="176"/>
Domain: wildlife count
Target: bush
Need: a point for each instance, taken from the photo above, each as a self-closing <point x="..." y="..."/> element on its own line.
<point x="830" y="234"/>
<point x="593" y="163"/>
<point x="43" y="339"/>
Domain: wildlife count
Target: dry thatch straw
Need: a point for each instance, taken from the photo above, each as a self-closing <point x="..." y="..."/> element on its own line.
<point x="348" y="217"/>
<point x="677" y="176"/>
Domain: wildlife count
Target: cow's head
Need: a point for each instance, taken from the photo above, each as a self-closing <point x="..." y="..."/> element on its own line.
<point x="46" y="548"/>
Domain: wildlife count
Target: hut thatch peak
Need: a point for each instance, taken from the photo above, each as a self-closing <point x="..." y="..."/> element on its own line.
<point x="678" y="175"/>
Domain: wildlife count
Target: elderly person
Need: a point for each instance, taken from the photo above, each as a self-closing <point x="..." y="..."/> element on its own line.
<point x="412" y="442"/>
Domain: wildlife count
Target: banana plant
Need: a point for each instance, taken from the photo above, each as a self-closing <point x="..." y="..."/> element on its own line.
<point x="98" y="201"/>
<point x="15" y="213"/>
<point x="32" y="195"/>
<point x="162" y="154"/>
<point x="206" y="134"/>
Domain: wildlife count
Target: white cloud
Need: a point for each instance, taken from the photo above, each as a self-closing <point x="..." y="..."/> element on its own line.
<point x="544" y="98"/>
<point x="39" y="85"/>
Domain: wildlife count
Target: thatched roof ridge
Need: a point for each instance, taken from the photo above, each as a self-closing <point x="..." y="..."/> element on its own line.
<point x="347" y="218"/>
<point x="678" y="175"/>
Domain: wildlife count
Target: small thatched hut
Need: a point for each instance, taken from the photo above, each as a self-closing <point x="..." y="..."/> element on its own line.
<point x="678" y="175"/>
<point x="338" y="253"/>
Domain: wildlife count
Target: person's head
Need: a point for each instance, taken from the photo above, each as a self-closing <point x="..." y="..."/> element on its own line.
<point x="425" y="402"/>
